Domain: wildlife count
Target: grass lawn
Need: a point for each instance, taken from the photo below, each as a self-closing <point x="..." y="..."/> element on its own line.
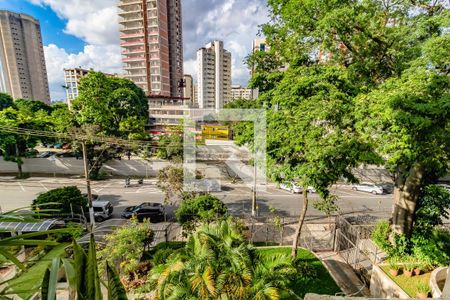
<point x="408" y="284"/>
<point x="323" y="284"/>
<point x="27" y="283"/>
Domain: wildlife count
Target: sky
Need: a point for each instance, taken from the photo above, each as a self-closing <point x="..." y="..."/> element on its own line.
<point x="85" y="33"/>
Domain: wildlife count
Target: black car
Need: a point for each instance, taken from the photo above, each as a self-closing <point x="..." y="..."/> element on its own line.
<point x="152" y="211"/>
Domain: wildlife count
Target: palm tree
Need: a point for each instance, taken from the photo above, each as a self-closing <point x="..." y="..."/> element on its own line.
<point x="218" y="263"/>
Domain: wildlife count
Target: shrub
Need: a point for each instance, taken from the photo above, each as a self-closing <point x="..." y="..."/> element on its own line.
<point x="432" y="248"/>
<point x="125" y="246"/>
<point x="61" y="199"/>
<point x="380" y="236"/>
<point x="433" y="206"/>
<point x="202" y="209"/>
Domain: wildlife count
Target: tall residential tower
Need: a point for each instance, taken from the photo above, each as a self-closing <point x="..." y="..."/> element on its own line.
<point x="152" y="45"/>
<point x="23" y="73"/>
<point x="214" y="76"/>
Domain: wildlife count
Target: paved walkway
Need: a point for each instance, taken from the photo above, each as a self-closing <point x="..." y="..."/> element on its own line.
<point x="343" y="274"/>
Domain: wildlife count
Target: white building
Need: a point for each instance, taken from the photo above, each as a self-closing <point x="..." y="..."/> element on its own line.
<point x="214" y="76"/>
<point x="240" y="92"/>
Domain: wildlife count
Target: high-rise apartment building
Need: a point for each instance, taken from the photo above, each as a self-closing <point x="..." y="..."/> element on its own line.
<point x="23" y="73"/>
<point x="152" y="45"/>
<point x="214" y="76"/>
<point x="72" y="79"/>
<point x="240" y="92"/>
<point x="188" y="91"/>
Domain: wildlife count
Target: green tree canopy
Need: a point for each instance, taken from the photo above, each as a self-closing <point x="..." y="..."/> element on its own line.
<point x="114" y="104"/>
<point x="5" y="101"/>
<point x="66" y="199"/>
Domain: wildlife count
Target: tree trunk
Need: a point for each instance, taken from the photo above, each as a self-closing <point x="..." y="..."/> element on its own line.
<point x="406" y="195"/>
<point x="19" y="167"/>
<point x="300" y="223"/>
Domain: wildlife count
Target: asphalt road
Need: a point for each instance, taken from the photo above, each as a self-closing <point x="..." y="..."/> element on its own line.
<point x="17" y="194"/>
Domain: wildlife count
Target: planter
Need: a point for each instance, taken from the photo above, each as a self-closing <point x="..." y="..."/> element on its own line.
<point x="408" y="273"/>
<point x="394" y="272"/>
<point x="417" y="271"/>
<point x="422" y="296"/>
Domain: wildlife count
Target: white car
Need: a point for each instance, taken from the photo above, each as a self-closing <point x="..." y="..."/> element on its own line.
<point x="368" y="187"/>
<point x="291" y="187"/>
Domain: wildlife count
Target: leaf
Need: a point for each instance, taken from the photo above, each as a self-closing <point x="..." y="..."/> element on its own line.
<point x="53" y="279"/>
<point x="92" y="279"/>
<point x="69" y="269"/>
<point x="12" y="258"/>
<point x="80" y="260"/>
<point x="116" y="291"/>
<point x="45" y="285"/>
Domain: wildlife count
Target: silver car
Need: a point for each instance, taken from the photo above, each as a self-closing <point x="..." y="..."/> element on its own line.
<point x="368" y="187"/>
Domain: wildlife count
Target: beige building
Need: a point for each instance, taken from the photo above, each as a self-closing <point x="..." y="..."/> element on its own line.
<point x="214" y="76"/>
<point x="188" y="91"/>
<point x="152" y="45"/>
<point x="23" y="73"/>
<point x="239" y="92"/>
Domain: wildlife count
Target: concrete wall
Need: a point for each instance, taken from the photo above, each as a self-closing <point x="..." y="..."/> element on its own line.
<point x="381" y="286"/>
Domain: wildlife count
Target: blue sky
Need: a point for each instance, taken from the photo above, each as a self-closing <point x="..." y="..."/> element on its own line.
<point x="85" y="33"/>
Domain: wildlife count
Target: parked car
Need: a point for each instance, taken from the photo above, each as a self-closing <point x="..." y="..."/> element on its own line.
<point x="46" y="154"/>
<point x="66" y="146"/>
<point x="102" y="210"/>
<point x="58" y="146"/>
<point x="153" y="211"/>
<point x="369" y="188"/>
<point x="296" y="189"/>
<point x="291" y="187"/>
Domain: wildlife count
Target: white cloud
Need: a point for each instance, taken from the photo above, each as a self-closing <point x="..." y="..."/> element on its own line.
<point x="100" y="58"/>
<point x="95" y="22"/>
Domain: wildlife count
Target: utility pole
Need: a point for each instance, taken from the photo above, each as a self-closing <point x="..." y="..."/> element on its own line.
<point x="88" y="186"/>
<point x="254" y="190"/>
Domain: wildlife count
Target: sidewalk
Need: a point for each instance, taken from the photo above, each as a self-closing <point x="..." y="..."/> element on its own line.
<point x="343" y="274"/>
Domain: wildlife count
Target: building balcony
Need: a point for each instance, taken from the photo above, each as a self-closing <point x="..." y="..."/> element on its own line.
<point x="130" y="67"/>
<point x="133" y="43"/>
<point x="133" y="75"/>
<point x="131" y="19"/>
<point x="127" y="13"/>
<point x="123" y="3"/>
<point x="134" y="51"/>
<point x="131" y="35"/>
<point x="131" y="28"/>
<point x="137" y="58"/>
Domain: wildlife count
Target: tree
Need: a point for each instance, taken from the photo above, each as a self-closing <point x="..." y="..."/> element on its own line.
<point x="112" y="107"/>
<point x="171" y="181"/>
<point x="406" y="121"/>
<point x="200" y="210"/>
<point x="66" y="199"/>
<point x="361" y="76"/>
<point x="25" y="114"/>
<point x="5" y="101"/>
<point x="218" y="264"/>
<point x="113" y="104"/>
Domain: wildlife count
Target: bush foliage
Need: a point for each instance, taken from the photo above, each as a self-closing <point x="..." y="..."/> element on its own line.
<point x="61" y="199"/>
<point x="201" y="209"/>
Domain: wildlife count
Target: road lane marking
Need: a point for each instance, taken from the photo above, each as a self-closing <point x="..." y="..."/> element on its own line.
<point x="44" y="186"/>
<point x="21" y="186"/>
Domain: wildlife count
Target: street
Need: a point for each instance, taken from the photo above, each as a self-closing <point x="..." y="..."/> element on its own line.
<point x="19" y="194"/>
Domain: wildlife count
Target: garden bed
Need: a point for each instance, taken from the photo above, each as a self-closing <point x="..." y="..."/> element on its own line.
<point x="323" y="284"/>
<point x="408" y="284"/>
